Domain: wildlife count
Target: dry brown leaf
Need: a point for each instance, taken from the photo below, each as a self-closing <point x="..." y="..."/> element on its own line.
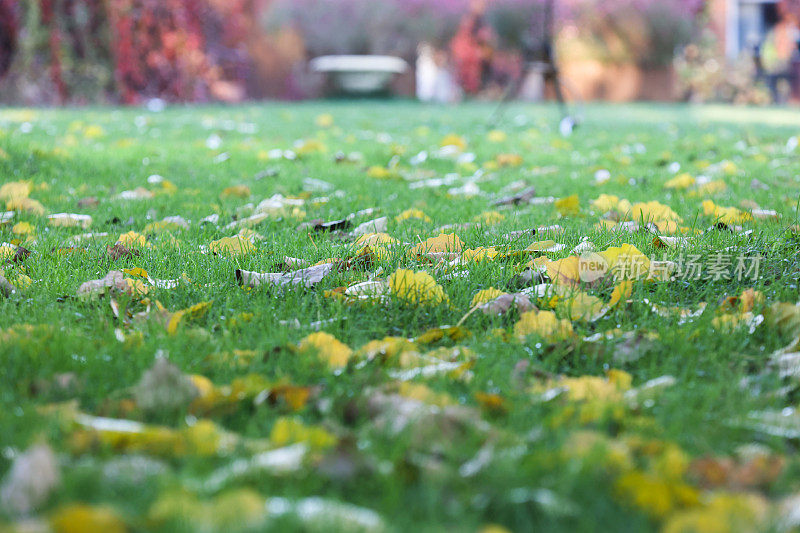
<point x="119" y="251"/>
<point x="378" y="225"/>
<point x="69" y="220"/>
<point x="114" y="281"/>
<point x="164" y="388"/>
<point x="503" y="304"/>
<point x="6" y="288"/>
<point x="307" y="277"/>
<point x="33" y="475"/>
<point x="522" y="197"/>
<point x="444" y="243"/>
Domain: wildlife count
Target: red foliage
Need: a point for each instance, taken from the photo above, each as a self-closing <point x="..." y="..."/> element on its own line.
<point x="179" y="50"/>
<point x="48" y="20"/>
<point x="186" y="50"/>
<point x="9" y="22"/>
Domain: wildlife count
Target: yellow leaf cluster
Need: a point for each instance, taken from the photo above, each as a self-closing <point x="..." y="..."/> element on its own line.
<point x="233" y="246"/>
<point x="486" y="295"/>
<point x="454" y="140"/>
<point x="132" y="239"/>
<point x="288" y="431"/>
<point x="727" y="215"/>
<point x="329" y="349"/>
<point x="544" y="324"/>
<point x="568" y="206"/>
<point x="444" y="243"/>
<point x="412" y="213"/>
<point x="416" y="288"/>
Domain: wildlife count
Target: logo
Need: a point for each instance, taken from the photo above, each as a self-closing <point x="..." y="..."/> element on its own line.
<point x="592" y="266"/>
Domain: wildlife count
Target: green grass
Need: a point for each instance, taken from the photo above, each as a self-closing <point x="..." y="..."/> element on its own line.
<point x="536" y="477"/>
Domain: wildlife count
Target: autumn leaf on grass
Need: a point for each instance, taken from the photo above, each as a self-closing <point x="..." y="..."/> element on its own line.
<point x="15" y="189"/>
<point x="568" y="206"/>
<point x="454" y="140"/>
<point x="626" y="262"/>
<point x="381" y="173"/>
<point x="609" y="388"/>
<point x="307" y="277"/>
<point x="548" y="246"/>
<point x="192" y="313"/>
<point x="236" y="191"/>
<point x="416" y="288"/>
<point x="387" y="350"/>
<point x="16" y="194"/>
<point x="452" y="333"/>
<point x="582" y="306"/>
<point x="80" y="517"/>
<point x="544" y="324"/>
<point x="730" y="322"/>
<point x="726" y="215"/>
<point x="409" y="214"/>
<point x="202" y="438"/>
<point x="621" y="293"/>
<point x="368" y="290"/>
<point x="132" y="239"/>
<point x="29" y="482"/>
<point x="287" y="431"/>
<point x="243" y="507"/>
<point x="477" y="255"/>
<point x="114" y="281"/>
<point x="497" y="136"/>
<point x="508" y="160"/>
<point x="69" y="220"/>
<point x="327" y="347"/>
<point x="489" y="218"/>
<point x="523" y="197"/>
<point x="168" y="224"/>
<point x="607" y="203"/>
<point x="653" y="212"/>
<point x="294" y="396"/>
<point x="565" y="270"/>
<point x="376" y="239"/>
<point x="661" y="241"/>
<point x="725" y="510"/>
<point x="324" y="120"/>
<point x="119" y="251"/>
<point x="375" y="226"/>
<point x="25" y="205"/>
<point x="319" y="225"/>
<point x="744" y="302"/>
<point x="485" y="296"/>
<point x="680" y="182"/>
<point x="6" y="288"/>
<point x="235" y="246"/>
<point x="136" y="272"/>
<point x="164" y="388"/>
<point x="7" y="252"/>
<point x="503" y="303"/>
<point x="18" y="281"/>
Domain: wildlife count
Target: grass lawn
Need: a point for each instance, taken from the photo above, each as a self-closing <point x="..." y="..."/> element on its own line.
<point x="644" y="380"/>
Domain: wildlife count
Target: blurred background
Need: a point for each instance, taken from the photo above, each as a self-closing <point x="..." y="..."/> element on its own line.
<point x="153" y="52"/>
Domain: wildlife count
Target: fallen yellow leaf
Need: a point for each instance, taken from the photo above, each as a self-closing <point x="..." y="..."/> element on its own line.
<point x="328" y="348"/>
<point x="416" y="287"/>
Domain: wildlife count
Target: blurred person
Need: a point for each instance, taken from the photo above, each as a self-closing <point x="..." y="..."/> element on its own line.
<point x="779" y="48"/>
<point x="435" y="82"/>
<point x="472" y="48"/>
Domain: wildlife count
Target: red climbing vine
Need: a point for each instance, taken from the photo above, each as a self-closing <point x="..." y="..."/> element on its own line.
<point x="179" y="50"/>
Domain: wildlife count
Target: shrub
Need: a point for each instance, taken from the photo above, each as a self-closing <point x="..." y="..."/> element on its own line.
<point x="646" y="32"/>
